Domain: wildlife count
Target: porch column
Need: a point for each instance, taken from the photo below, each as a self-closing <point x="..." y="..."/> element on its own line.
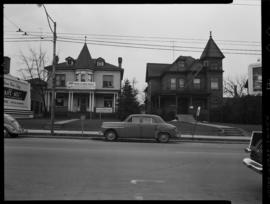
<point x="113" y="102"/>
<point x="49" y="100"/>
<point x="71" y="102"/>
<point x="90" y="102"/>
<point x="93" y="100"/>
<point x="46" y="100"/>
<point x="69" y="106"/>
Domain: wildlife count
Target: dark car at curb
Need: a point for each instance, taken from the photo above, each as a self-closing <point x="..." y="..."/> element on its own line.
<point x="255" y="150"/>
<point x="12" y="127"/>
<point x="140" y="126"/>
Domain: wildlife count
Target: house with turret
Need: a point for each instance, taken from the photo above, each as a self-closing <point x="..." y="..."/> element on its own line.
<point x="186" y="84"/>
<point x="85" y="85"/>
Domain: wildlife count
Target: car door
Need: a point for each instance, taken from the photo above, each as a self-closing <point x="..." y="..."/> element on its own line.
<point x="148" y="127"/>
<point x="132" y="127"/>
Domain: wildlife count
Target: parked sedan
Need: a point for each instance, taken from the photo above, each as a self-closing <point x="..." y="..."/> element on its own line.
<point x="12" y="128"/>
<point x="140" y="126"/>
<point x="254" y="161"/>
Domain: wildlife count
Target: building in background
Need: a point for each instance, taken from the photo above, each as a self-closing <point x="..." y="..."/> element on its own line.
<point x="85" y="85"/>
<point x="17" y="95"/>
<point x="38" y="88"/>
<point x="255" y="79"/>
<point x="187" y="83"/>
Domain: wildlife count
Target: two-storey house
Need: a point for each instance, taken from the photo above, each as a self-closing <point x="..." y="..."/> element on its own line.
<point x="85" y="85"/>
<point x="180" y="87"/>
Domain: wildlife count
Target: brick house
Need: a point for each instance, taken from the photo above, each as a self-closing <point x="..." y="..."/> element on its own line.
<point x="180" y="87"/>
<point x="85" y="85"/>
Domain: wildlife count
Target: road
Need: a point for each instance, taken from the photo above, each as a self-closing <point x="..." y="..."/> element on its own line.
<point x="64" y="169"/>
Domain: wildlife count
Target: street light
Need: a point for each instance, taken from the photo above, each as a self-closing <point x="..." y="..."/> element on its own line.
<point x="53" y="65"/>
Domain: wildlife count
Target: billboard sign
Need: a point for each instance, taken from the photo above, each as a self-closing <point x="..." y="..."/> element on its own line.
<point x="255" y="79"/>
<point x="16" y="93"/>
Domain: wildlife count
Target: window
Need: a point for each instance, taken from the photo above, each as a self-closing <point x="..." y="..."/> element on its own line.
<point x="197" y="83"/>
<point x="107" y="81"/>
<point x="108" y="101"/>
<point x="214" y="83"/>
<point x="83" y="77"/>
<point x="135" y="119"/>
<point x="59" y="101"/>
<point x="181" y="64"/>
<point x="181" y="83"/>
<point x="173" y="83"/>
<point x="205" y="63"/>
<point x="214" y="66"/>
<point x="147" y="120"/>
<point x="60" y="79"/>
<point x="90" y="77"/>
<point x="100" y="63"/>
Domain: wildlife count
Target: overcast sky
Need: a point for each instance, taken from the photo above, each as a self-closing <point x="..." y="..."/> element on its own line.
<point x="184" y="28"/>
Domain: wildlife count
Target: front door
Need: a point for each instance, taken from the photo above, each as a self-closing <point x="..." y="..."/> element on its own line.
<point x="148" y="127"/>
<point x="83" y="104"/>
<point x="182" y="106"/>
<point x="132" y="128"/>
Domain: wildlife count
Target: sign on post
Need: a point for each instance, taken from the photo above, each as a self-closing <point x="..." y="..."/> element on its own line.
<point x="82" y="122"/>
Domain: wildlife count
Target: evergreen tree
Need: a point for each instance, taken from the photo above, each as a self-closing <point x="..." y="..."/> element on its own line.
<point x="128" y="103"/>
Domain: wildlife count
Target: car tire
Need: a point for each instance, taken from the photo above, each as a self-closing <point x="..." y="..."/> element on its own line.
<point x="110" y="135"/>
<point x="6" y="133"/>
<point x="163" y="137"/>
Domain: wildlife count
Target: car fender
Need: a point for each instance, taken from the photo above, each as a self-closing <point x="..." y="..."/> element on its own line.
<point x="9" y="127"/>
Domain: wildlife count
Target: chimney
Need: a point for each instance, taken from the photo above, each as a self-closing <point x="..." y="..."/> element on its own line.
<point x="6" y="65"/>
<point x="120" y="62"/>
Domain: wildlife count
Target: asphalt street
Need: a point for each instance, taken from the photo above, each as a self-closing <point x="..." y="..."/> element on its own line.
<point x="70" y="169"/>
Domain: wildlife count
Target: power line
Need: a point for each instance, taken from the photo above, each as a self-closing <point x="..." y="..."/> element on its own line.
<point x="151" y="48"/>
<point x="155" y="45"/>
<point x="146" y="37"/>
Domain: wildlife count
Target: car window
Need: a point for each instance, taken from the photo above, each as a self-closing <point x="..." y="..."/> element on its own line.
<point x="135" y="119"/>
<point x="147" y="120"/>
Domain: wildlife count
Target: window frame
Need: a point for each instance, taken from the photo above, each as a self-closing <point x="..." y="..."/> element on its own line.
<point x="60" y="80"/>
<point x="197" y="85"/>
<point x="172" y="84"/>
<point x="212" y="82"/>
<point x="107" y="84"/>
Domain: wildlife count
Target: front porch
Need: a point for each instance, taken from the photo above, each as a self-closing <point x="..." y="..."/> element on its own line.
<point x="169" y="106"/>
<point x="74" y="104"/>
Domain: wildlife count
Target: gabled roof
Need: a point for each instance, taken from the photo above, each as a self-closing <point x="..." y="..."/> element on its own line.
<point x="211" y="50"/>
<point x="84" y="58"/>
<point x="155" y="70"/>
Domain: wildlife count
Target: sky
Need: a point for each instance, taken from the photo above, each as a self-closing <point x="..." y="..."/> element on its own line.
<point x="139" y="33"/>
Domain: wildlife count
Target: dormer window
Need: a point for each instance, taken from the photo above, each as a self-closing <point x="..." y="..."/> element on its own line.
<point x="181" y="64"/>
<point x="100" y="62"/>
<point x="70" y="61"/>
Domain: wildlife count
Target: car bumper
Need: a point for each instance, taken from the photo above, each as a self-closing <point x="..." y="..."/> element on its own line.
<point x="253" y="165"/>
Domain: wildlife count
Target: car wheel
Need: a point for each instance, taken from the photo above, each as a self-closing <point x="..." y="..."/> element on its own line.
<point x="163" y="137"/>
<point x="6" y="133"/>
<point x="110" y="135"/>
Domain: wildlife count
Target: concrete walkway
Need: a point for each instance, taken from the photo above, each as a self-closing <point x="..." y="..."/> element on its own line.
<point x="97" y="134"/>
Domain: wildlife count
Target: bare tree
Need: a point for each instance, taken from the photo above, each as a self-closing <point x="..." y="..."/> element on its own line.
<point x="33" y="71"/>
<point x="235" y="87"/>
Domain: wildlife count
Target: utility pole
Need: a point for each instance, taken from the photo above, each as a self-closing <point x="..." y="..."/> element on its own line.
<point x="53" y="79"/>
<point x="53" y="66"/>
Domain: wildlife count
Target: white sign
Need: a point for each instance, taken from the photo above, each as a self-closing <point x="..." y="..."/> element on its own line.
<point x="103" y="110"/>
<point x="16" y="93"/>
<point x="81" y="85"/>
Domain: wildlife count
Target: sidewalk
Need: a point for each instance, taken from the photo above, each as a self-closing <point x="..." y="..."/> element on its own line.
<point x="96" y="134"/>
